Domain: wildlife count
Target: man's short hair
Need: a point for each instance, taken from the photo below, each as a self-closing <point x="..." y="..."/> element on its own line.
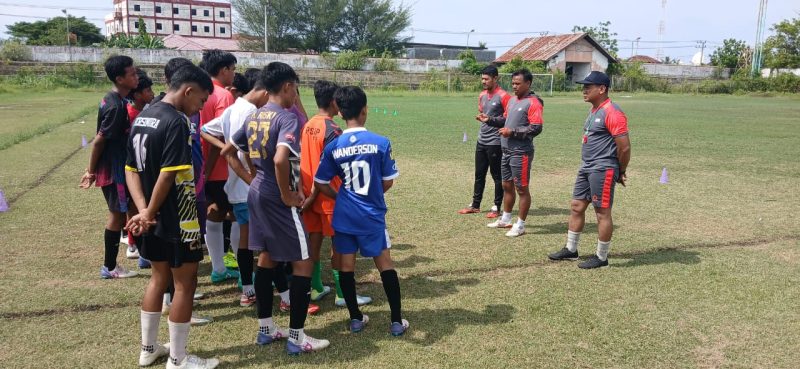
<point x="115" y="66"/>
<point x="323" y="93"/>
<point x="490" y="70"/>
<point x="173" y="65"/>
<point x="191" y="74"/>
<point x="525" y="73"/>
<point x="275" y="74"/>
<point x="351" y="101"/>
<point x="253" y="77"/>
<point x="241" y="84"/>
<point x="144" y="82"/>
<point x="214" y="60"/>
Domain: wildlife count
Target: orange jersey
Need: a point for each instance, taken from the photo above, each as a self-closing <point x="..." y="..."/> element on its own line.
<point x="318" y="132"/>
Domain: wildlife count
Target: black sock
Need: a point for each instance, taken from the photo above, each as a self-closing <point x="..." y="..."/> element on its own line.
<point x="300" y="296"/>
<point x="281" y="284"/>
<point x="171" y="291"/>
<point x="226" y="235"/>
<point x="263" y="288"/>
<point x="112" y="249"/>
<point x="245" y="260"/>
<point x="347" y="280"/>
<point x="391" y="285"/>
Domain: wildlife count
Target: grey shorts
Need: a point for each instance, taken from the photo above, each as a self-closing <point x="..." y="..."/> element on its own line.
<point x="276" y="229"/>
<point x="597" y="187"/>
<point x="516" y="167"/>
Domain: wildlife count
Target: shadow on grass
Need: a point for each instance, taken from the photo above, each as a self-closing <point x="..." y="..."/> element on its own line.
<point x="658" y="257"/>
<point x="548" y="211"/>
<point x="427" y="327"/>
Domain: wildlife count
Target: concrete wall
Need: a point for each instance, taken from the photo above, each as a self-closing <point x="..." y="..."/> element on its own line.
<point x="766" y="72"/>
<point x="430" y="53"/>
<point x="684" y="71"/>
<point x="61" y="54"/>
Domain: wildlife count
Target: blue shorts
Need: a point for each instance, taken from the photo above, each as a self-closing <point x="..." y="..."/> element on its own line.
<point x="371" y="245"/>
<point x="241" y="213"/>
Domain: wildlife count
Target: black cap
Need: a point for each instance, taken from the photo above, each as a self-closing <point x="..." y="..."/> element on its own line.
<point x="596" y="78"/>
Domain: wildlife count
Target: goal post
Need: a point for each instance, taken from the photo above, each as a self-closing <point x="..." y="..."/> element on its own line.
<point x="542" y="83"/>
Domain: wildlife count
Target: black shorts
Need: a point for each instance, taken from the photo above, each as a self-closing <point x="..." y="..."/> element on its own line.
<point x="117" y="197"/>
<point x="176" y="253"/>
<point x="597" y="187"/>
<point x="215" y="194"/>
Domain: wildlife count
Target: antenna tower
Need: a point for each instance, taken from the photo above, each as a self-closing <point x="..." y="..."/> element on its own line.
<point x="662" y="26"/>
<point x="758" y="50"/>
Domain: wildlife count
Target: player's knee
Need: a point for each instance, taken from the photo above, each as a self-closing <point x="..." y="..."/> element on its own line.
<point x="523" y="191"/>
<point x="577" y="207"/>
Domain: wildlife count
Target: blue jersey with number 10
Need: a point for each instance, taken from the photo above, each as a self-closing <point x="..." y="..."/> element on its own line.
<point x="363" y="160"/>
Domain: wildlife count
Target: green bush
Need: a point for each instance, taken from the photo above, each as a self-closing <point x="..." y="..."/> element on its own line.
<point x="534" y="66"/>
<point x="70" y="76"/>
<point x="386" y="63"/>
<point x="346" y="60"/>
<point x="434" y="81"/>
<point x="15" y="51"/>
<point x="469" y="64"/>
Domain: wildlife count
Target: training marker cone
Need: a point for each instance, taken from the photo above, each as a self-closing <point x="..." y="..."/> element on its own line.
<point x="83" y="141"/>
<point x="395" y="112"/>
<point x="3" y="203"/>
<point x="664" y="177"/>
<point x="465" y="137"/>
<point x="385" y="111"/>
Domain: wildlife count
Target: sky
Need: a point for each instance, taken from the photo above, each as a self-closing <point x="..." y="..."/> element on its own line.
<point x="503" y="23"/>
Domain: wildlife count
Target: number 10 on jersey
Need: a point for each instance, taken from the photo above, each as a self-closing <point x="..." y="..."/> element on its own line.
<point x="357" y="176"/>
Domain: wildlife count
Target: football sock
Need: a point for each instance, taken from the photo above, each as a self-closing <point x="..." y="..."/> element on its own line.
<point x="266" y="325"/>
<point x="214" y="242"/>
<point x="281" y="284"/>
<point x="235" y="237"/>
<point x="226" y="235"/>
<point x="296" y="335"/>
<point x="263" y="289"/>
<point x="111" y="239"/>
<point x="316" y="277"/>
<point x="245" y="259"/>
<point x="391" y="285"/>
<point x="300" y="299"/>
<point x="178" y="336"/>
<point x="149" y="321"/>
<point x="348" y="281"/>
<point x="602" y="249"/>
<point x="572" y="240"/>
<point x="506" y="217"/>
<point x="520" y="223"/>
<point x="337" y="284"/>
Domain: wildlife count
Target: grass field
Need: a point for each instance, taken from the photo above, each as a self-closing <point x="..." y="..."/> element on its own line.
<point x="704" y="270"/>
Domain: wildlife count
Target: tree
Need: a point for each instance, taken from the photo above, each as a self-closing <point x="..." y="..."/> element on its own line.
<point x="782" y="50"/>
<point x="602" y="34"/>
<point x="141" y="41"/>
<point x="469" y="64"/>
<point x="284" y="19"/>
<point x="668" y="60"/>
<point x="729" y="54"/>
<point x="374" y="25"/>
<point x="54" y="32"/>
<point x="534" y="66"/>
<point x="324" y="30"/>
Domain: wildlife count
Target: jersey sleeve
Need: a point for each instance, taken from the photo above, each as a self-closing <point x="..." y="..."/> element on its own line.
<point x="616" y="123"/>
<point x="177" y="153"/>
<point x="331" y="132"/>
<point x="289" y="133"/>
<point x="480" y="102"/>
<point x="506" y="98"/>
<point x="239" y="139"/>
<point x="388" y="167"/>
<point x="113" y="124"/>
<point x="130" y="156"/>
<point x="327" y="166"/>
<point x="535" y="112"/>
<point x="214" y="127"/>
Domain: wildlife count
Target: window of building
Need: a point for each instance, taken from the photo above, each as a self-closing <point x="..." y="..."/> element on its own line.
<point x="159" y="27"/>
<point x="176" y="27"/>
<point x="136" y="24"/>
<point x="194" y="11"/>
<point x="175" y="10"/>
<point x="137" y="8"/>
<point x="222" y="30"/>
<point x="158" y="9"/>
<point x="205" y="13"/>
<point x="194" y="28"/>
<point x="206" y="29"/>
<point x="221" y="14"/>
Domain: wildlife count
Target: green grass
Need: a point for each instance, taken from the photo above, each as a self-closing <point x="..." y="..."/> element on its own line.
<point x="704" y="271"/>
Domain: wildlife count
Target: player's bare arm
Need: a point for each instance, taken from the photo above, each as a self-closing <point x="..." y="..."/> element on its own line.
<point x="624" y="156"/>
<point x="229" y="152"/>
<point x="98" y="145"/>
<point x="387" y="184"/>
<point x="213" y="140"/>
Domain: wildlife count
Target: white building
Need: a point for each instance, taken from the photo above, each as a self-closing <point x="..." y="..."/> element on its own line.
<point x="189" y="18"/>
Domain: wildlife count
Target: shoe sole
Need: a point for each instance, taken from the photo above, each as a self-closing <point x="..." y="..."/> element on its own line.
<point x="597" y="267"/>
<point x="563" y="259"/>
<point x="515" y="235"/>
<point x="501" y="227"/>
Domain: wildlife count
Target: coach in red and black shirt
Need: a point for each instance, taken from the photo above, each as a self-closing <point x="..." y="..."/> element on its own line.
<point x="605" y="154"/>
<point x="492" y="103"/>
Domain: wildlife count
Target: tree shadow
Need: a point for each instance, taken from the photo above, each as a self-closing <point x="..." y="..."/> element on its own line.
<point x="427" y="327"/>
<point x="366" y="264"/>
<point x="657" y="257"/>
<point x="545" y="211"/>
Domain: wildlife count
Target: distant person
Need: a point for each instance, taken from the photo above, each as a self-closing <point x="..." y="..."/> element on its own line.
<point x="605" y="154"/>
<point x="160" y="177"/>
<point x="521" y="123"/>
<point x="107" y="159"/>
<point x="492" y="103"/>
<point x="363" y="162"/>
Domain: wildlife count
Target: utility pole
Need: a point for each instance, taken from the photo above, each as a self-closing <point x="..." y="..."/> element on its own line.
<point x="702" y="45"/>
<point x="758" y="50"/>
<point x="69" y="43"/>
<point x="266" y="30"/>
<point x="468" y="33"/>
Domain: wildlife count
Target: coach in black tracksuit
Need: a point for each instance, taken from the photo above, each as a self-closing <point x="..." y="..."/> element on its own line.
<point x="492" y="102"/>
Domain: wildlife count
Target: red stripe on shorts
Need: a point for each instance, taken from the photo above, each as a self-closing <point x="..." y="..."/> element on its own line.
<point x="607" y="188"/>
<point x="525" y="171"/>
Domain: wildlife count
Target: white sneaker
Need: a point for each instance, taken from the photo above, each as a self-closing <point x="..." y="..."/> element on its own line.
<point x="147" y="358"/>
<point x="118" y="272"/>
<point x="516" y="231"/>
<point x="308" y="344"/>
<point x="499" y="223"/>
<point x="494" y="208"/>
<point x="200" y="320"/>
<point x="123" y="238"/>
<point x="193" y="362"/>
<point x="132" y="252"/>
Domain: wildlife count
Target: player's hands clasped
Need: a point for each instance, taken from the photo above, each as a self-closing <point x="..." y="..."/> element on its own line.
<point x="140" y="223"/>
<point x="505" y="132"/>
<point x="482" y="118"/>
<point x="293" y="199"/>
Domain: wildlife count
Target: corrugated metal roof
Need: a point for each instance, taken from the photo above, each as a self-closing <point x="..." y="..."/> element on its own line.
<point x="545" y="47"/>
<point x="179" y="42"/>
